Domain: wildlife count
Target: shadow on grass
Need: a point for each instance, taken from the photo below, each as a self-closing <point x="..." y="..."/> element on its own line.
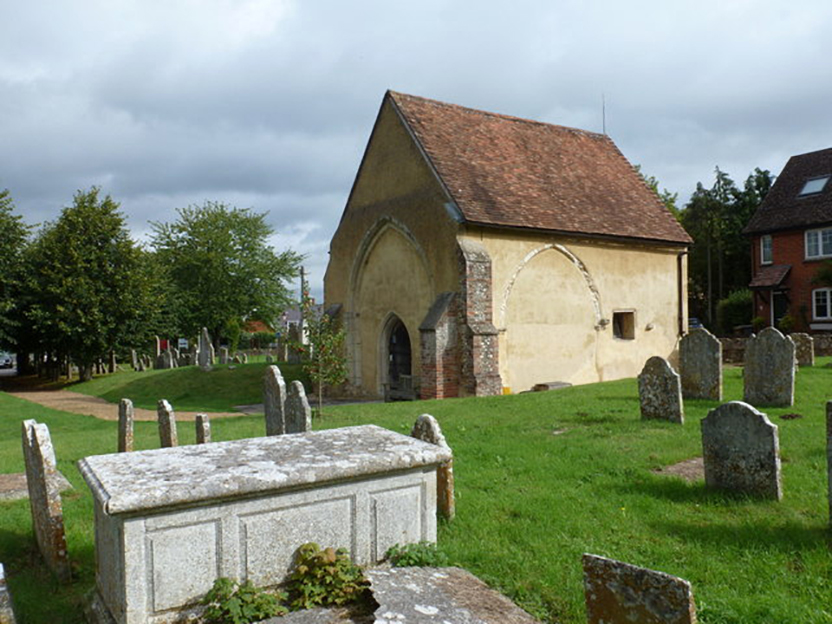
<point x="784" y="537"/>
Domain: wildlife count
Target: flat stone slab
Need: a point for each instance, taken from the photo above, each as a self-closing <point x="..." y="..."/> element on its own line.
<point x="13" y="485"/>
<point x="439" y="595"/>
<point x="145" y="480"/>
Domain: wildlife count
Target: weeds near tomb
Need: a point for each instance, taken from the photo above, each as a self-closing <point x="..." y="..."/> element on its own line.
<point x="229" y="602"/>
<point x="419" y="554"/>
<point x="324" y="578"/>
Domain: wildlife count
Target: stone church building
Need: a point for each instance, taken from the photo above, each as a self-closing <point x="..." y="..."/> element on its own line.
<point x="481" y="254"/>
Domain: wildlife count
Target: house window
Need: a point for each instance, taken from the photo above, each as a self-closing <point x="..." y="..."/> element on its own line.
<point x="624" y="325"/>
<point x="819" y="243"/>
<point x="815" y="185"/>
<point x="822" y="303"/>
<point x="765" y="249"/>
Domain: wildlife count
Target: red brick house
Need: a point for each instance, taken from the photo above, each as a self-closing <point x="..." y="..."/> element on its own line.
<point x="791" y="238"/>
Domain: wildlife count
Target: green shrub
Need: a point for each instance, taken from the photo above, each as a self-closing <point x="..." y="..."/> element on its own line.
<point x="228" y="602"/>
<point x="325" y="578"/>
<point x="735" y="309"/>
<point x="421" y="554"/>
<point x="786" y="324"/>
<point x="757" y="323"/>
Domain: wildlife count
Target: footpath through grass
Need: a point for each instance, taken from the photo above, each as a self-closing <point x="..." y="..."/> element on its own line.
<point x="189" y="388"/>
<point x="541" y="478"/>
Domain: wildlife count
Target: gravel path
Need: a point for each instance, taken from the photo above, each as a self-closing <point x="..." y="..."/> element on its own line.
<point x="76" y="403"/>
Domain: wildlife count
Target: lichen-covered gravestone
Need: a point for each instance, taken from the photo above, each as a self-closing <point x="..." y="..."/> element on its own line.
<point x="167" y="424"/>
<point x="274" y="401"/>
<point x="298" y="413"/>
<point x="203" y="429"/>
<point x="45" y="498"/>
<point x="206" y="351"/>
<point x="660" y="391"/>
<point x="426" y="428"/>
<point x="6" y="608"/>
<point x="741" y="451"/>
<point x="620" y="593"/>
<point x="224" y="355"/>
<point x="769" y="369"/>
<point x="804" y="349"/>
<point x="700" y="365"/>
<point x="125" y="426"/>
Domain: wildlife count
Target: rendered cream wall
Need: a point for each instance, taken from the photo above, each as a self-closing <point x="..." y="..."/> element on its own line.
<point x="547" y="312"/>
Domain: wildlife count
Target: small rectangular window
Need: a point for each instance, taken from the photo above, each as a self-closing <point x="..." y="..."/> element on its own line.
<point x="624" y="325"/>
<point x="820" y="301"/>
<point x="766" y="249"/>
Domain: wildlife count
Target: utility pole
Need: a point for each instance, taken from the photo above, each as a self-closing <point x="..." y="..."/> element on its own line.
<point x="302" y="302"/>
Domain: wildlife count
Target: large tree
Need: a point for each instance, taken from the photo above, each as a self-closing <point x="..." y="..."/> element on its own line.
<point x="222" y="268"/>
<point x="720" y="259"/>
<point x="87" y="288"/>
<point x="13" y="238"/>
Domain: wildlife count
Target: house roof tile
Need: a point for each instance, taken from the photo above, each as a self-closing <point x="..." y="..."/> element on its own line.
<point x="511" y="172"/>
<point x="784" y="208"/>
<point x="770" y="276"/>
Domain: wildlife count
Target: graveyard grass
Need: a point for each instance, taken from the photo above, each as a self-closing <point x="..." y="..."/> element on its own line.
<point x="188" y="388"/>
<point x="541" y="478"/>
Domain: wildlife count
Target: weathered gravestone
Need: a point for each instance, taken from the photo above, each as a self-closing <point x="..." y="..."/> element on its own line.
<point x="660" y="391"/>
<point x="769" y="369"/>
<point x="297" y="412"/>
<point x="224" y="355"/>
<point x="700" y="365"/>
<point x="157" y="346"/>
<point x="804" y="349"/>
<point x="167" y="424"/>
<point x="134" y="359"/>
<point x="620" y="593"/>
<point x="205" y="357"/>
<point x="125" y="426"/>
<point x="427" y="429"/>
<point x="274" y="401"/>
<point x="203" y="429"/>
<point x="6" y="608"/>
<point x="244" y="358"/>
<point x="741" y="451"/>
<point x="45" y="498"/>
<point x="829" y="454"/>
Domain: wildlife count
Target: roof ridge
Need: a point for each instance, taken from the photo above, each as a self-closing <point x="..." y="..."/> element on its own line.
<point x="595" y="135"/>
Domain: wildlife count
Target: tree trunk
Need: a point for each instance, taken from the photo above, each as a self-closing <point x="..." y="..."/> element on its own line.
<point x="85" y="371"/>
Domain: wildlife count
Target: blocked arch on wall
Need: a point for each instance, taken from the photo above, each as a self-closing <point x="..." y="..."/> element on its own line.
<point x="594" y="294"/>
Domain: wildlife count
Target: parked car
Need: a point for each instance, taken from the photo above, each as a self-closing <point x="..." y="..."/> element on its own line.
<point x="6" y="360"/>
<point x="694" y="323"/>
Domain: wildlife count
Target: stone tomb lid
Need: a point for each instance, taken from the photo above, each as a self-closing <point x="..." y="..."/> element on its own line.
<point x="188" y="475"/>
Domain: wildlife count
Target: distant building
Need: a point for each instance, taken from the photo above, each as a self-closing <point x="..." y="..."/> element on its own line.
<point x="480" y="254"/>
<point x="792" y="236"/>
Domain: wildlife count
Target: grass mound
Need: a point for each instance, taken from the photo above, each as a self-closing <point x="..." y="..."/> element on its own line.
<point x="189" y="388"/>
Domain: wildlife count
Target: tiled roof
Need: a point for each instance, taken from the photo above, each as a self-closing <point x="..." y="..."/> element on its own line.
<point x="784" y="208"/>
<point x="770" y="276"/>
<point x="511" y="172"/>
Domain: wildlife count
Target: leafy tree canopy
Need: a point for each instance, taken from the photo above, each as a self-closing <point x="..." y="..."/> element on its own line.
<point x="13" y="239"/>
<point x="221" y="268"/>
<point x="665" y="196"/>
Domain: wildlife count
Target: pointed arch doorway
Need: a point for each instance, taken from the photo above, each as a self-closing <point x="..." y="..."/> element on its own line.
<point x="398" y="382"/>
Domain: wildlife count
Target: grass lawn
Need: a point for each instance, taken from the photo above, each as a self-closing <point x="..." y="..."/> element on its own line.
<point x="530" y="502"/>
<point x="188" y="388"/>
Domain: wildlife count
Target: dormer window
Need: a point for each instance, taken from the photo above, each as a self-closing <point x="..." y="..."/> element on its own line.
<point x="814" y="186"/>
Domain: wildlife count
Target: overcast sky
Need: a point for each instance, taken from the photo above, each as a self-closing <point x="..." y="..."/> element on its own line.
<point x="268" y="104"/>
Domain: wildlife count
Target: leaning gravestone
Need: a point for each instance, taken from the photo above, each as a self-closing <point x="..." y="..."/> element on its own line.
<point x="206" y="351"/>
<point x="804" y="349"/>
<point x="125" y="426"/>
<point x="427" y="429"/>
<point x="619" y="593"/>
<point x="274" y="401"/>
<point x="45" y="498"/>
<point x="741" y="451"/>
<point x="203" y="429"/>
<point x="167" y="424"/>
<point x="700" y="365"/>
<point x="769" y="369"/>
<point x="660" y="391"/>
<point x="298" y="413"/>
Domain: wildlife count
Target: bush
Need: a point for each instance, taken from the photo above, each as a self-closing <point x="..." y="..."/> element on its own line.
<point x="735" y="309"/>
<point x="325" y="578"/>
<point x="228" y="602"/>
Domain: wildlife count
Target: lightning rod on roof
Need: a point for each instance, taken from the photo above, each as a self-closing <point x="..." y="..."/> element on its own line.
<point x="604" y="113"/>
